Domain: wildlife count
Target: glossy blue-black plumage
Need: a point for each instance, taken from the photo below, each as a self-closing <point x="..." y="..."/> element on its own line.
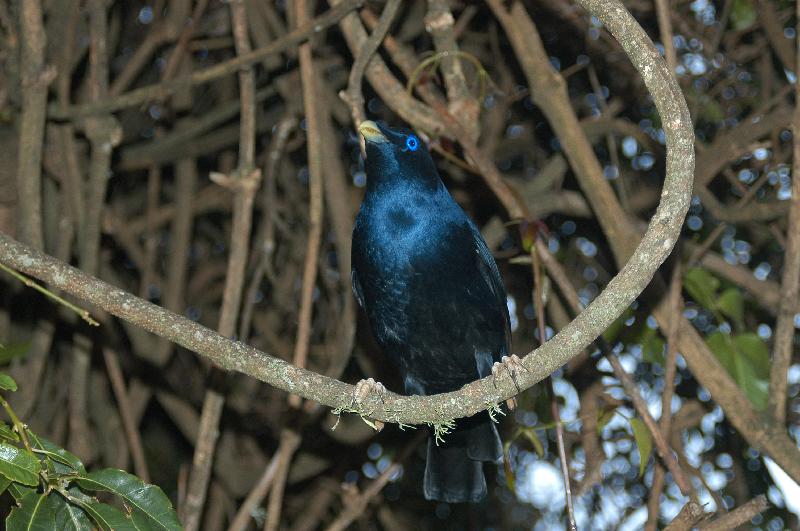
<point x="433" y="295"/>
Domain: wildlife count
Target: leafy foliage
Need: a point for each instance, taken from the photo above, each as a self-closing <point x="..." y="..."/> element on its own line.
<point x="702" y="286"/>
<point x="33" y="512"/>
<point x="743" y="14"/>
<point x="53" y="490"/>
<point x="19" y="465"/>
<point x="745" y="356"/>
<point x="746" y="359"/>
<point x="644" y="442"/>
<point x="14" y="351"/>
<point x="7" y="383"/>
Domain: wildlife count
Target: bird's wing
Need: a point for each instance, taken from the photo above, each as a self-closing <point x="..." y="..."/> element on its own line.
<point x="357" y="287"/>
<point x="491" y="275"/>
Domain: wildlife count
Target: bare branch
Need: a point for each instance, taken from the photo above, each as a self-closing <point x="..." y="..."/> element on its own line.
<point x="741" y="515"/>
<point x="790" y="281"/>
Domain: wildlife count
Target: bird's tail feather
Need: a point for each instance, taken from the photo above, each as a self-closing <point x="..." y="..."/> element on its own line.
<point x="454" y="468"/>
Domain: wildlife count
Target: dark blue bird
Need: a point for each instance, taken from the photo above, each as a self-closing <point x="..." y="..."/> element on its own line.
<point x="434" y="298"/>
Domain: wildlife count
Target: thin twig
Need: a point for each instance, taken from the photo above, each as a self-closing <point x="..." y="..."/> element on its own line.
<point x="676" y="307"/>
<point x="439" y="22"/>
<point x="103" y="133"/>
<point x="663" y="12"/>
<point x="538" y="302"/>
<point x="34" y="79"/>
<point x="183" y="39"/>
<point x="341" y="215"/>
<point x="174" y="285"/>
<point x="790" y="281"/>
<point x="619" y="183"/>
<point x="65" y="67"/>
<point x="738" y="516"/>
<point x="663" y="449"/>
<point x="83" y="314"/>
<point x="289" y="443"/>
<point x="191" y="510"/>
<point x="125" y="413"/>
<point x="665" y="422"/>
<point x="18" y="425"/>
<point x="148" y="276"/>
<point x="353" y="95"/>
<point x="308" y="77"/>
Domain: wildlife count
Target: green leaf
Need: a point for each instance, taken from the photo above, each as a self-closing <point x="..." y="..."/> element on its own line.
<point x="110" y="518"/>
<point x="7" y="383"/>
<point x="19" y="465"/>
<point x="150" y="501"/>
<point x="653" y="347"/>
<point x="4" y="483"/>
<point x="533" y="438"/>
<point x="511" y="479"/>
<point x="11" y="352"/>
<point x="644" y="442"/>
<point x="36" y="512"/>
<point x="746" y="362"/>
<point x="65" y="462"/>
<point x="604" y="416"/>
<point x="743" y="14"/>
<point x="70" y="517"/>
<point x="6" y="432"/>
<point x="731" y="304"/>
<point x="702" y="286"/>
<point x="756" y="351"/>
<point x="19" y="491"/>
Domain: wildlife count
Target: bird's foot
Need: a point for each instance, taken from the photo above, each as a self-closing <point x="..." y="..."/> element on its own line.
<point x="512" y="364"/>
<point x="364" y="388"/>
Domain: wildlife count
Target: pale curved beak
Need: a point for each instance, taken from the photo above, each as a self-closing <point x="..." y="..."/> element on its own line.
<point x="371" y="133"/>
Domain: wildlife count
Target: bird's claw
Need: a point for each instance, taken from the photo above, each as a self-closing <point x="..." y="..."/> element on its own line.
<point x="364" y="388"/>
<point x="512" y="364"/>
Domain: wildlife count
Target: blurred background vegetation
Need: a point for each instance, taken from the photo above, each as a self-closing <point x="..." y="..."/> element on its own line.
<point x="108" y="146"/>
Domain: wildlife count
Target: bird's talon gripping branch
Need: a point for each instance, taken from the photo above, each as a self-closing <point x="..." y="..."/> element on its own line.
<point x="364" y="388"/>
<point x="513" y="365"/>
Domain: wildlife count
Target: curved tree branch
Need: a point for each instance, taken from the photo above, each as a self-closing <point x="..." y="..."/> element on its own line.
<point x="653" y="249"/>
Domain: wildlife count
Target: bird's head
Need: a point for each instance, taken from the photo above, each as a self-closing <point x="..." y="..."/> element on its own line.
<point x="396" y="155"/>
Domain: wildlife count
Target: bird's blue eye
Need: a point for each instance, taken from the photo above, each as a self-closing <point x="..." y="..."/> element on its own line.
<point x="412" y="143"/>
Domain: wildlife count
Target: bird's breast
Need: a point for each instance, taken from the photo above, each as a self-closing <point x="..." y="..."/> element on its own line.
<point x="406" y="227"/>
<point x="403" y="233"/>
<point x="401" y="220"/>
